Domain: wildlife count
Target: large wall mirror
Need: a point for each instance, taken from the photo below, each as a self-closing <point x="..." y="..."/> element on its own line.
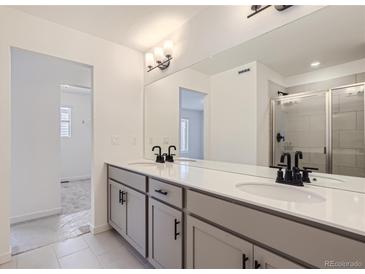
<point x="298" y="87"/>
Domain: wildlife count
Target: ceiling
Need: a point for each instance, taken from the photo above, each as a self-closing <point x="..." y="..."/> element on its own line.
<point x="138" y="27"/>
<point x="333" y="35"/>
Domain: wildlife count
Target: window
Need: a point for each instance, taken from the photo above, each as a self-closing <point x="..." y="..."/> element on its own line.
<point x="65" y="122"/>
<point x="184" y="138"/>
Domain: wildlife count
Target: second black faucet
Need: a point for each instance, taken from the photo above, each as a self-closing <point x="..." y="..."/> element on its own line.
<point x="161" y="158"/>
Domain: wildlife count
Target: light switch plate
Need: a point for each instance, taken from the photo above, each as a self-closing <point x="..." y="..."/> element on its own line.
<point x="115" y="139"/>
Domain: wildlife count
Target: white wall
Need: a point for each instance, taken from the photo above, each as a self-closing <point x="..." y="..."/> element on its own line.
<point x="162" y="118"/>
<point x="36" y="158"/>
<point x="196" y="133"/>
<point x="76" y="150"/>
<point x="117" y="96"/>
<point x="226" y="26"/>
<point x="233" y="118"/>
<point x="265" y="76"/>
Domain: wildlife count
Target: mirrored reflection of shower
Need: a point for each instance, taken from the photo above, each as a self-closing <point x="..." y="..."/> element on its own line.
<point x="327" y="126"/>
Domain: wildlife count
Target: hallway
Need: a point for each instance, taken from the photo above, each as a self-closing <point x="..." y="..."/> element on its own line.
<point x="74" y="220"/>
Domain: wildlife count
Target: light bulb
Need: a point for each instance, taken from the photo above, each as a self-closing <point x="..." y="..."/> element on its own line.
<point x="149" y="60"/>
<point x="167" y="46"/>
<point x="159" y="56"/>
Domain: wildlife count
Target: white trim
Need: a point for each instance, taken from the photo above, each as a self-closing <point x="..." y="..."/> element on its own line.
<point x="76" y="178"/>
<point x="35" y="215"/>
<point x="5" y="257"/>
<point x="99" y="229"/>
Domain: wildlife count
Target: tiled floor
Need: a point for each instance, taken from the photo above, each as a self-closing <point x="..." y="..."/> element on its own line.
<point x="104" y="250"/>
<point x="73" y="221"/>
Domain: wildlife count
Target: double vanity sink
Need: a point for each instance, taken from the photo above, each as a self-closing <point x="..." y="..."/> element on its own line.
<point x="190" y="216"/>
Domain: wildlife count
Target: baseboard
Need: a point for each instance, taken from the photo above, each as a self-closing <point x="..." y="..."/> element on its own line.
<point x="35" y="215"/>
<point x="76" y="178"/>
<point x="5" y="257"/>
<point x="100" y="228"/>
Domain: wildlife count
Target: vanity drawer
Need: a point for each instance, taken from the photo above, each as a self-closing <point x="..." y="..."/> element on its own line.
<point x="308" y="244"/>
<point x="165" y="192"/>
<point x="128" y="178"/>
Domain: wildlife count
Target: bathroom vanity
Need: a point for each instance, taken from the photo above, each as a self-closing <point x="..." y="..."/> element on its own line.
<point x="181" y="216"/>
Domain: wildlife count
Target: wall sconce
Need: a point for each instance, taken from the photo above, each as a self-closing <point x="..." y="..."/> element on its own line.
<point x="160" y="58"/>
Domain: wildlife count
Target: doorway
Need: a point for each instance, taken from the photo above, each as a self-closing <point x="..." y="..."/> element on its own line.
<point x="192" y="124"/>
<point x="51" y="106"/>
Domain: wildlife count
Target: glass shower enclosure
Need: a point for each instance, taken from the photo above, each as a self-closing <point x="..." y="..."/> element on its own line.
<point x="327" y="126"/>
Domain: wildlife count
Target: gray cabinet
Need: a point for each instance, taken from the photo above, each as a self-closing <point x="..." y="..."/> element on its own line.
<point x="268" y="260"/>
<point x="210" y="247"/>
<point x="165" y="235"/>
<point x="136" y="225"/>
<point x="117" y="210"/>
<point x="127" y="214"/>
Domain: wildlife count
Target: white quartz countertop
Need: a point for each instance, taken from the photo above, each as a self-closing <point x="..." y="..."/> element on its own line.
<point x="342" y="182"/>
<point x="341" y="209"/>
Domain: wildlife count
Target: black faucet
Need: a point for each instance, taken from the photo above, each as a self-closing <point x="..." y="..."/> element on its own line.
<point x="293" y="176"/>
<point x="170" y="156"/>
<point x="288" y="171"/>
<point x="297" y="176"/>
<point x="159" y="156"/>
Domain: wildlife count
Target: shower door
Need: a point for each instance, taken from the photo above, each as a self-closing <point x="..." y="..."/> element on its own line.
<point x="299" y="124"/>
<point x="347" y="135"/>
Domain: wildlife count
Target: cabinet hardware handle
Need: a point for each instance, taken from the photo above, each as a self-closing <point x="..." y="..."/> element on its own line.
<point x="161" y="191"/>
<point x="257" y="265"/>
<point x="175" y="229"/>
<point x="244" y="260"/>
<point x="120" y="197"/>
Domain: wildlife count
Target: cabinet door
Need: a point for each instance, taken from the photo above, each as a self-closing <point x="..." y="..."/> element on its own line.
<point x="165" y="235"/>
<point x="210" y="247"/>
<point x="117" y="208"/>
<point x="136" y="219"/>
<point x="266" y="259"/>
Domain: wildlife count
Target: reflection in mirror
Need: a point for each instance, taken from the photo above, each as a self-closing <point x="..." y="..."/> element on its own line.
<point x="245" y="115"/>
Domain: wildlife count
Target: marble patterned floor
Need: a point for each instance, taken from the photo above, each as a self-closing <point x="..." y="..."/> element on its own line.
<point x="104" y="250"/>
<point x="74" y="220"/>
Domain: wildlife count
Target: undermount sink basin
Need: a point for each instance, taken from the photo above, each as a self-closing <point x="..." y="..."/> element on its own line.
<point x="281" y="192"/>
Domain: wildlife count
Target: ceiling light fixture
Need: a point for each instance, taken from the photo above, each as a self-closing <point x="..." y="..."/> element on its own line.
<point x="160" y="58"/>
<point x="315" y="64"/>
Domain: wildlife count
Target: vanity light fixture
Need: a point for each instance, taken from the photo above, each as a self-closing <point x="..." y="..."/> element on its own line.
<point x="315" y="64"/>
<point x="258" y="8"/>
<point x="160" y="58"/>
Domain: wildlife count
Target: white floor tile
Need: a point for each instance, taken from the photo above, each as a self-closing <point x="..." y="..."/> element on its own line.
<point x="69" y="246"/>
<point x="120" y="258"/>
<point x="82" y="259"/>
<point x="43" y="257"/>
<point x="103" y="242"/>
<point x="9" y="265"/>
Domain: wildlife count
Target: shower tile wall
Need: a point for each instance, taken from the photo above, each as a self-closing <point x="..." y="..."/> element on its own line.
<point x="303" y="125"/>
